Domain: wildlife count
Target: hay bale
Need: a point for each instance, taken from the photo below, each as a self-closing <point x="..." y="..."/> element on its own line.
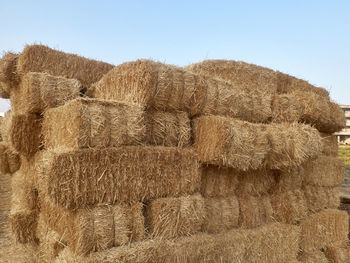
<point x="319" y="198"/>
<point x="123" y="175"/>
<point x="256" y="182"/>
<point x="93" y="123"/>
<point x="337" y="121"/>
<point x="3" y="92"/>
<point x="168" y="129"/>
<point x="286" y="108"/>
<point x="39" y="58"/>
<point x="97" y="229"/>
<point x="329" y="145"/>
<point x="289" y="84"/>
<point x="323" y="229"/>
<point x="242" y="145"/>
<point x="24" y="206"/>
<point x="8" y="75"/>
<point x="287" y="180"/>
<point x="175" y="217"/>
<point x="169" y="88"/>
<point x="246" y="76"/>
<point x="9" y="160"/>
<point x="337" y="253"/>
<point x="324" y="171"/>
<point x="254" y="211"/>
<point x="5" y="127"/>
<point x="313" y="257"/>
<point x="289" y="207"/>
<point x="291" y="145"/>
<point x="218" y="182"/>
<point x="22" y="133"/>
<point x="230" y="142"/>
<point x="222" y="214"/>
<point x="40" y="91"/>
<point x="232" y="246"/>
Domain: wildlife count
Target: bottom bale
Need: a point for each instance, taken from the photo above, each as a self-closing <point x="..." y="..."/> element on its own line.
<point x="324" y="229"/>
<point x="254" y="211"/>
<point x="313" y="257"/>
<point x="175" y="217"/>
<point x="96" y="229"/>
<point x="337" y="254"/>
<point x="274" y="243"/>
<point x="289" y="207"/>
<point x="222" y="214"/>
<point x="319" y="198"/>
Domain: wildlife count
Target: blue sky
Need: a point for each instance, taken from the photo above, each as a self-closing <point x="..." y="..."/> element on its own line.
<point x="308" y="39"/>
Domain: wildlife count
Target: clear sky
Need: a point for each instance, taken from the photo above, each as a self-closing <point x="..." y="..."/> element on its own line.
<point x="308" y="39"/>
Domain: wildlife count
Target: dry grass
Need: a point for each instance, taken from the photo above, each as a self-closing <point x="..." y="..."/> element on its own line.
<point x="39" y="58"/>
<point x="169" y="88"/>
<point x="242" y="145"/>
<point x="118" y="175"/>
<point x="289" y="207"/>
<point x="324" y="171"/>
<point x="286" y="108"/>
<point x="323" y="229"/>
<point x="3" y="93"/>
<point x="8" y="76"/>
<point x="93" y="123"/>
<point x="9" y="160"/>
<point x="256" y="182"/>
<point x="313" y="257"/>
<point x="222" y="214"/>
<point x="175" y="217"/>
<point x="337" y="253"/>
<point x="218" y="182"/>
<point x="40" y="91"/>
<point x="330" y="145"/>
<point x="96" y="229"/>
<point x="232" y="246"/>
<point x="245" y="76"/>
<point x="287" y="180"/>
<point x="319" y="198"/>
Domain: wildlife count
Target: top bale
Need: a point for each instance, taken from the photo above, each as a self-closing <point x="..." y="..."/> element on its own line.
<point x="245" y="76"/>
<point x="8" y="75"/>
<point x="169" y="88"/>
<point x="39" y="58"/>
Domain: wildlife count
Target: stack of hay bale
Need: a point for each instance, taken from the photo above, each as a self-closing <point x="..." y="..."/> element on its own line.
<point x="220" y="161"/>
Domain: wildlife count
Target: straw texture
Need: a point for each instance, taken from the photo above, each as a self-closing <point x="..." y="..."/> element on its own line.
<point x="8" y="76"/>
<point x="40" y="91"/>
<point x="9" y="160"/>
<point x="123" y="175"/>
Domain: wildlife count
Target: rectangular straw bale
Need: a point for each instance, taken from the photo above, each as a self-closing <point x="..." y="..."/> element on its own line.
<point x="169" y="88"/>
<point x="287" y="180"/>
<point x="323" y="229"/>
<point x="242" y="145"/>
<point x="123" y="175"/>
<point x="230" y="142"/>
<point x="9" y="160"/>
<point x="22" y="133"/>
<point x="96" y="229"/>
<point x="273" y="243"/>
<point x="8" y="75"/>
<point x="289" y="207"/>
<point x="39" y="58"/>
<point x="246" y="76"/>
<point x="289" y="84"/>
<point x="313" y="257"/>
<point x="291" y="145"/>
<point x="218" y="182"/>
<point x="222" y="214"/>
<point x="286" y="108"/>
<point x="254" y="211"/>
<point x="168" y="129"/>
<point x="329" y="144"/>
<point x="320" y="112"/>
<point x="319" y="198"/>
<point x="175" y="217"/>
<point x="93" y="123"/>
<point x="337" y="253"/>
<point x="256" y="182"/>
<point x="324" y="171"/>
<point x="24" y="205"/>
<point x="40" y="91"/>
